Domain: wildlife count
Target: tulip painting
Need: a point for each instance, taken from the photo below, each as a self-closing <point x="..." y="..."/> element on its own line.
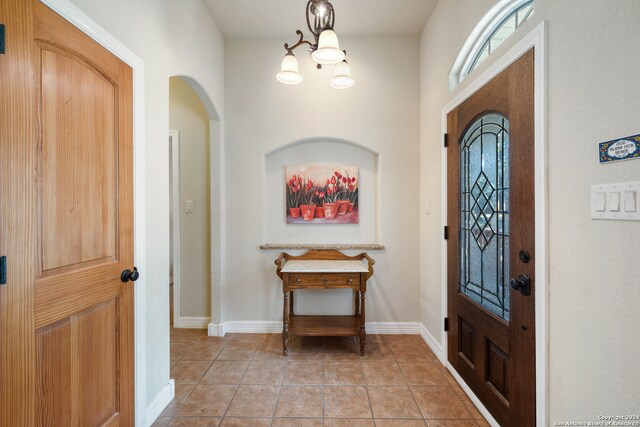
<point x="322" y="194"/>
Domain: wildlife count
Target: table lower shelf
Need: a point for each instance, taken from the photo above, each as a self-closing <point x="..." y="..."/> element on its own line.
<point x="331" y="326"/>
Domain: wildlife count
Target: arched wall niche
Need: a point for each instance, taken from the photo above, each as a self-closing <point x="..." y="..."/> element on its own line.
<point x="321" y="150"/>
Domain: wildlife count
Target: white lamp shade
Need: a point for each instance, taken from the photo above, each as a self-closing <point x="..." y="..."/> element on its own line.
<point x="289" y="71"/>
<point x="328" y="51"/>
<point x="342" y="76"/>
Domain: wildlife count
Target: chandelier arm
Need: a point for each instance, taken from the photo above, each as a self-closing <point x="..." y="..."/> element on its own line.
<point x="333" y="16"/>
<point x="308" y="12"/>
<point x="298" y="43"/>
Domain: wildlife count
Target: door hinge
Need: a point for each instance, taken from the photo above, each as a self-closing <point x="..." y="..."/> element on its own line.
<point x="3" y="270"/>
<point x="446" y="140"/>
<point x="1" y="38"/>
<point x="446" y="232"/>
<point x="446" y="324"/>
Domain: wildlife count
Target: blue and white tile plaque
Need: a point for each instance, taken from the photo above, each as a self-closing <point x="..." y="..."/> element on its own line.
<point x="620" y="149"/>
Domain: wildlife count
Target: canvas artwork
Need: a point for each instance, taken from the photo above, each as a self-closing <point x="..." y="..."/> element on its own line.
<point x="322" y="194"/>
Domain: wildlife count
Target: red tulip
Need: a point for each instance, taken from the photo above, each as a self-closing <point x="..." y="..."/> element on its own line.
<point x="351" y="187"/>
<point x="344" y="180"/>
<point x="337" y="173"/>
<point x="328" y="182"/>
<point x="299" y="179"/>
<point x="333" y="179"/>
<point x="353" y="179"/>
<point x="322" y="195"/>
<point x="295" y="189"/>
<point x="317" y="192"/>
<point x="329" y="190"/>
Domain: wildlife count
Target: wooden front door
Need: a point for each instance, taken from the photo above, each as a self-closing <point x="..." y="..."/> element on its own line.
<point x="491" y="281"/>
<point x="66" y="317"/>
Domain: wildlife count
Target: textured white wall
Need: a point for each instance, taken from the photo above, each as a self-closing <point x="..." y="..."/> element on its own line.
<point x="594" y="281"/>
<point x="172" y="38"/>
<point x="188" y="115"/>
<point x="381" y="113"/>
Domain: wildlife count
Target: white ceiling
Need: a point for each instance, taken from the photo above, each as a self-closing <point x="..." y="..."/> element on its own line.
<point x="255" y="19"/>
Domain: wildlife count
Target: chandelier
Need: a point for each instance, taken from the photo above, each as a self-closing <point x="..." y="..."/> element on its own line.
<point x="324" y="50"/>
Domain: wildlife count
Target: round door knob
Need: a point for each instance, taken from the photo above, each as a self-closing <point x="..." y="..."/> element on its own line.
<point x="129" y="276"/>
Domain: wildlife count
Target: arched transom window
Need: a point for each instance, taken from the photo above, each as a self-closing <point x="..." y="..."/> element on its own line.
<point x="497" y="25"/>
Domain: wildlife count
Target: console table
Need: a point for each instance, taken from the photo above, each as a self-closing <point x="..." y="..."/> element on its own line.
<point x="324" y="269"/>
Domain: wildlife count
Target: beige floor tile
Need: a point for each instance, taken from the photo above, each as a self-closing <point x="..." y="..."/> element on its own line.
<point x="299" y="401"/>
<point x="186" y="335"/>
<point x="439" y="403"/>
<point x="208" y="400"/>
<point x="225" y="372"/>
<point x="383" y="373"/>
<point x="393" y="402"/>
<point x="304" y="372"/>
<point x="346" y="402"/>
<point x="269" y="354"/>
<point x="203" y="351"/>
<point x="245" y="422"/>
<point x="306" y="344"/>
<point x="378" y="351"/>
<point x="340" y="345"/>
<point x="399" y="423"/>
<point x="189" y="371"/>
<point x="348" y="422"/>
<point x="264" y="372"/>
<point x="475" y="413"/>
<point x="452" y="423"/>
<point x="162" y="422"/>
<point x="305" y="355"/>
<point x="230" y="353"/>
<point x="182" y="392"/>
<point x="254" y="401"/>
<point x="178" y="349"/>
<point x="343" y="372"/>
<point x="423" y="373"/>
<point x="297" y="422"/>
<point x="195" y="422"/>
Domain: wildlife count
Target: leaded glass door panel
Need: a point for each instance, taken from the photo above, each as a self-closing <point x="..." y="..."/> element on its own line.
<point x="490" y="179"/>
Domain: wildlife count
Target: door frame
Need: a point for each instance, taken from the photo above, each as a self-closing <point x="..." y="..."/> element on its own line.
<point x="536" y="38"/>
<point x="176" y="222"/>
<point x="88" y="26"/>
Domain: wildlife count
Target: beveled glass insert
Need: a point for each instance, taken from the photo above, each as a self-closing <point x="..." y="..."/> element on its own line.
<point x="484" y="213"/>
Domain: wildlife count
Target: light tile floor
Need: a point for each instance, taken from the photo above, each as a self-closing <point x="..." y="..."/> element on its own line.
<point x="243" y="380"/>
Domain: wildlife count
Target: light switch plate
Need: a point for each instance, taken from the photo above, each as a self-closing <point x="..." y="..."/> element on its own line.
<point x="188" y="206"/>
<point x="616" y="201"/>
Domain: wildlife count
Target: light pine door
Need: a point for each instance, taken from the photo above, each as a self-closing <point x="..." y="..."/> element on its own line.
<point x="67" y="225"/>
<point x="491" y="281"/>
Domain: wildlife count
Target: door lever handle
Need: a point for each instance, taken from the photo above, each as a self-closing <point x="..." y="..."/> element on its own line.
<point x="522" y="284"/>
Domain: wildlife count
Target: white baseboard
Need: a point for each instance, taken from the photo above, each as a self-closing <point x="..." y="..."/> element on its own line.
<point x="160" y="402"/>
<point x="193" y="322"/>
<point x="274" y="327"/>
<point x="215" y="329"/>
<point x="249" y="327"/>
<point x="433" y="344"/>
<point x="392" y="328"/>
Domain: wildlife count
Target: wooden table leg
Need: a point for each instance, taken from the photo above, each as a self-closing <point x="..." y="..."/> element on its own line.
<point x="291" y="303"/>
<point x="357" y="298"/>
<point x="363" y="333"/>
<point x="285" y="324"/>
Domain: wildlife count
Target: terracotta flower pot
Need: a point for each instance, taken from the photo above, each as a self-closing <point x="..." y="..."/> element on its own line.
<point x="308" y="211"/>
<point x="350" y="209"/>
<point x="294" y="212"/>
<point x="343" y="205"/>
<point x="330" y="210"/>
<point x="319" y="212"/>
